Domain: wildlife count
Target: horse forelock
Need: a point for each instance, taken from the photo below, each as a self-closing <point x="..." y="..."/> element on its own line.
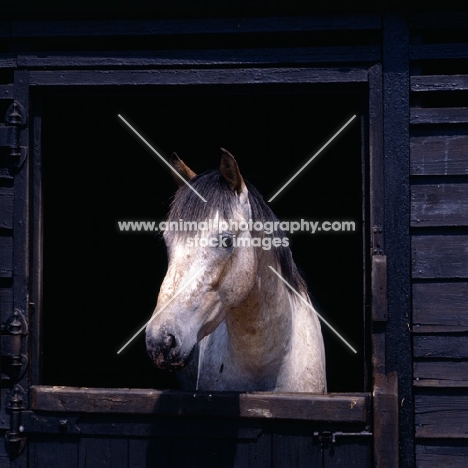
<point x="222" y="202"/>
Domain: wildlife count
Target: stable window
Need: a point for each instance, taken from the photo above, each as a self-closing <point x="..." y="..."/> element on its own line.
<point x="95" y="285"/>
<point x="101" y="282"/>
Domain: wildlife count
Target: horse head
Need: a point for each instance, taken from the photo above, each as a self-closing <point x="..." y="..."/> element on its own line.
<point x="206" y="274"/>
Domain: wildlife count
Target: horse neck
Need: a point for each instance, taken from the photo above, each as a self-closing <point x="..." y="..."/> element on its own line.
<point x="263" y="320"/>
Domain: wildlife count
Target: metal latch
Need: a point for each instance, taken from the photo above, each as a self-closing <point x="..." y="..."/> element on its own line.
<point x="328" y="438"/>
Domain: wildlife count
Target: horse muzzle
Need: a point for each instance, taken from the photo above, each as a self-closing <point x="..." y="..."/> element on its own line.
<point x="166" y="351"/>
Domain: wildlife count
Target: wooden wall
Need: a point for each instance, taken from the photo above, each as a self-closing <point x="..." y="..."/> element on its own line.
<point x="439" y="237"/>
<point x="437" y="113"/>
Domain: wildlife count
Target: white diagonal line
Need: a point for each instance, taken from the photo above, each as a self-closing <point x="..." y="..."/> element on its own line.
<point x="160" y="157"/>
<point x="312" y="158"/>
<point x="160" y="310"/>
<point x="310" y="307"/>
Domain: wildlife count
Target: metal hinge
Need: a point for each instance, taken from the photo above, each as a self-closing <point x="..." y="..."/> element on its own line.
<point x="15" y="438"/>
<point x="12" y="161"/>
<point x="16" y="326"/>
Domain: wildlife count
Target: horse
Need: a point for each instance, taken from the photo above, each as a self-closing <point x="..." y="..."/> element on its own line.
<point x="231" y="313"/>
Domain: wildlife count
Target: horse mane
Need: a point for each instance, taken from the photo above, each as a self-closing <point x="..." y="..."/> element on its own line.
<point x="212" y="186"/>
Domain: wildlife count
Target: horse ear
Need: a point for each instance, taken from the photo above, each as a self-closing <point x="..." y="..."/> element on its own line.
<point x="182" y="169"/>
<point x="230" y="171"/>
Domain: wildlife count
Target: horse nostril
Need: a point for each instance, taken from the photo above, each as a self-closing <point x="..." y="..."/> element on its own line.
<point x="170" y="341"/>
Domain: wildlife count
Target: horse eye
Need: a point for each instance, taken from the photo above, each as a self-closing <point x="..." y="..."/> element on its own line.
<point x="226" y="242"/>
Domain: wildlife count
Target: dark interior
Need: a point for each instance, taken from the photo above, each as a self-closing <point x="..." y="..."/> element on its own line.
<point x="100" y="285"/>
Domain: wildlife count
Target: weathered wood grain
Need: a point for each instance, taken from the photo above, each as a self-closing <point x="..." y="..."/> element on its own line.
<point x="440" y="256"/>
<point x="445" y="346"/>
<point x="329" y="407"/>
<point x="441" y="305"/>
<point x="437" y="454"/>
<point x="442" y="415"/>
<point x="441" y="204"/>
<point x="195" y="76"/>
<point x="439" y="155"/>
<point x="197" y="58"/>
<point x="438" y="373"/>
<point x="439" y="83"/>
<point x="446" y="115"/>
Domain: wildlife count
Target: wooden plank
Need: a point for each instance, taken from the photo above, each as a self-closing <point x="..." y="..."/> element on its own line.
<point x="6" y="256"/>
<point x="442" y="115"/>
<point x="58" y="452"/>
<point x="293" y="446"/>
<point x="441" y="305"/>
<point x="440" y="256"/>
<point x="132" y="425"/>
<point x="451" y="346"/>
<point x="443" y="204"/>
<point x="439" y="83"/>
<point x="379" y="288"/>
<point x="8" y="62"/>
<point x="441" y="415"/>
<point x="353" y="454"/>
<point x="196" y="76"/>
<point x="169" y="27"/>
<point x="193" y="58"/>
<point x="144" y="453"/>
<point x="454" y="51"/>
<point x="103" y="452"/>
<point x="6" y="207"/>
<point x="196" y="452"/>
<point x="260" y="451"/>
<point x="386" y="417"/>
<point x="329" y="407"/>
<point x="441" y="374"/>
<point x="427" y="20"/>
<point x="442" y="453"/>
<point x="439" y="155"/>
<point x="438" y="51"/>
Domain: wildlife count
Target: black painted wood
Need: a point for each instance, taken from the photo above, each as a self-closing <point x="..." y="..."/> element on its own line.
<point x="217" y="77"/>
<point x="440" y="256"/>
<point x="434" y="454"/>
<point x="441" y="414"/>
<point x="439" y="204"/>
<point x="200" y="58"/>
<point x="439" y="155"/>
<point x="441" y="374"/>
<point x="445" y="346"/>
<point x="396" y="119"/>
<point x="6" y="208"/>
<point x="441" y="306"/>
<point x="426" y="116"/>
<point x="434" y="83"/>
<point x="53" y="453"/>
<point x="184" y="26"/>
